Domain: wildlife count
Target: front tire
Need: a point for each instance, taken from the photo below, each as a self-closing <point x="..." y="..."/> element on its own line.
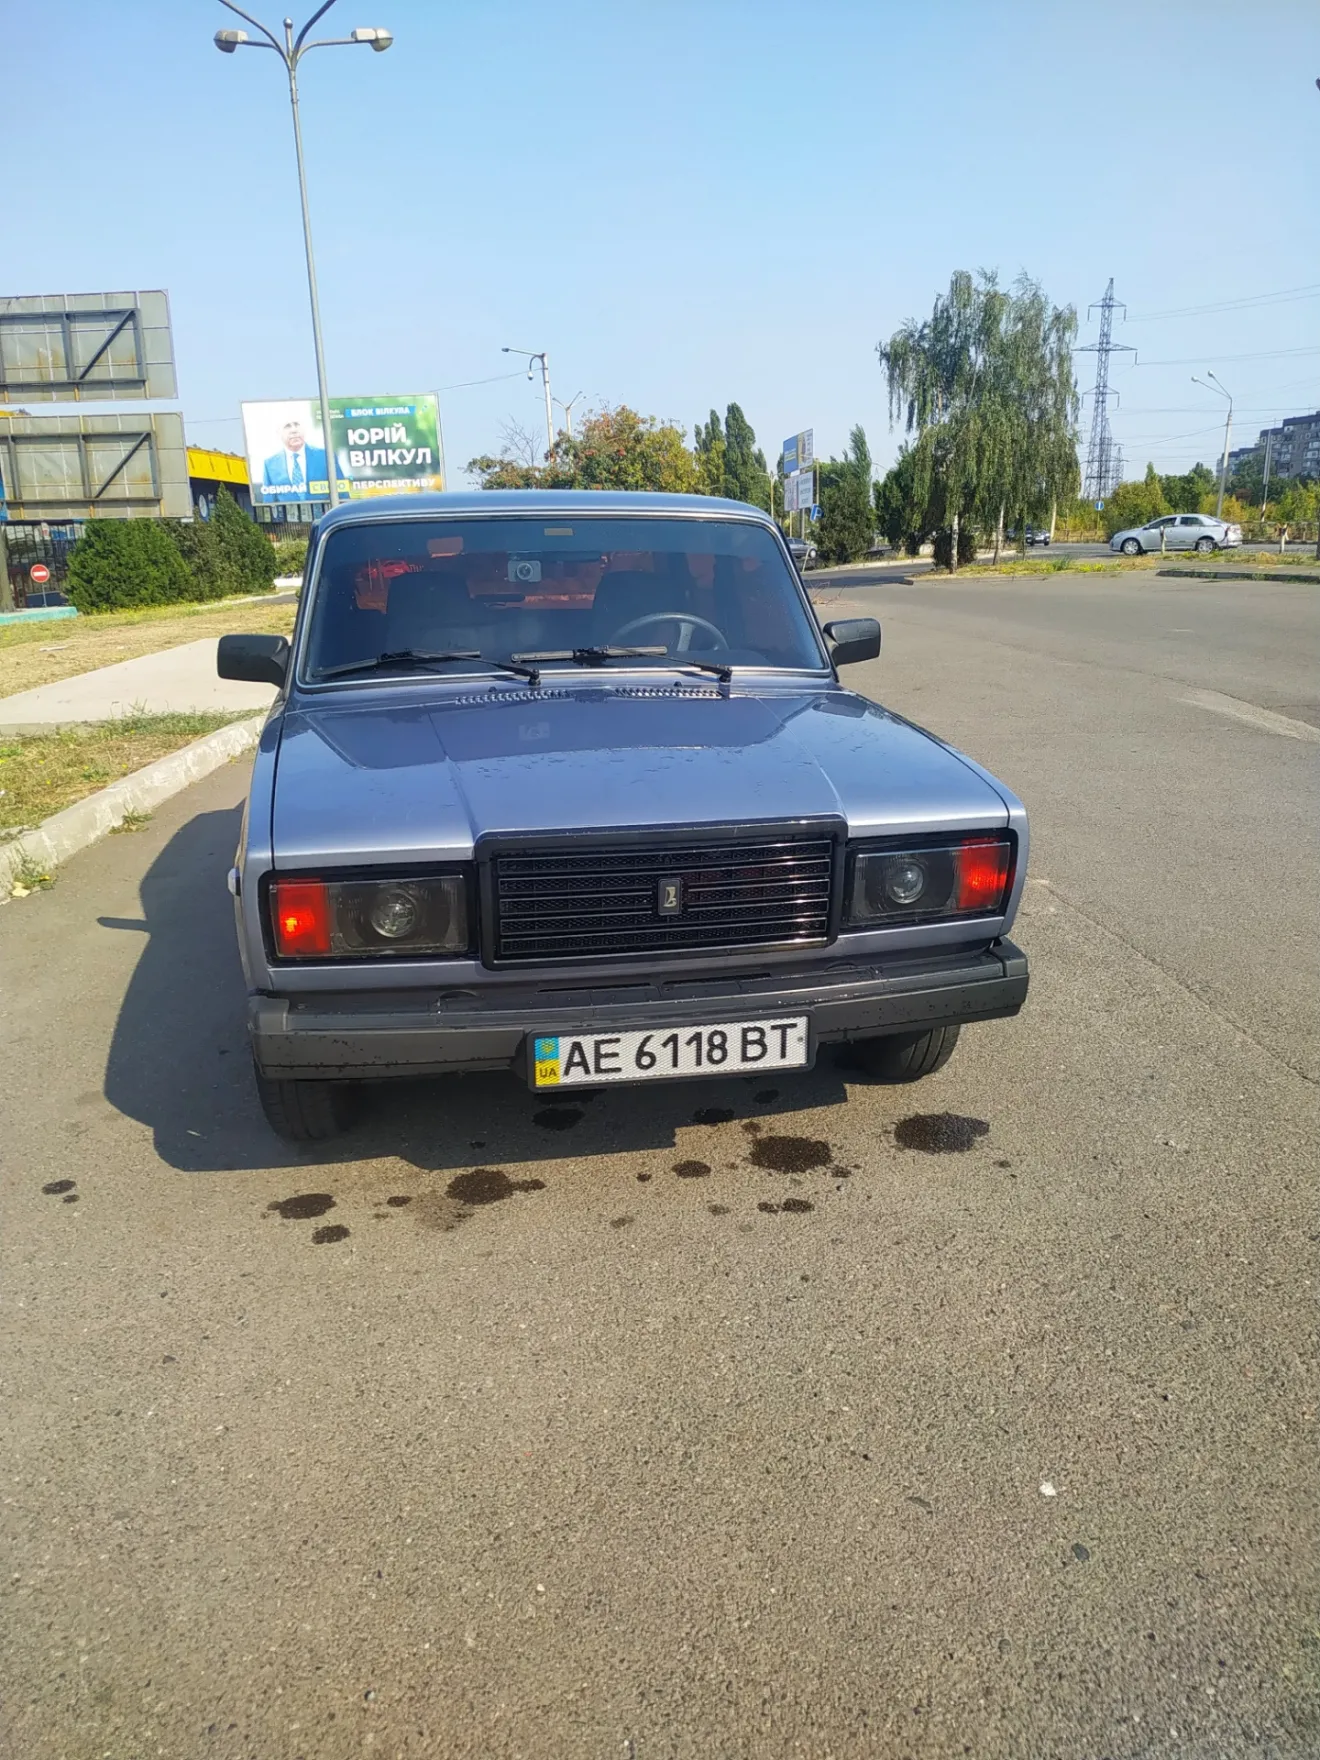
<point x="907" y="1057"/>
<point x="1130" y="547"/>
<point x="301" y="1111"/>
<point x="1205" y="546"/>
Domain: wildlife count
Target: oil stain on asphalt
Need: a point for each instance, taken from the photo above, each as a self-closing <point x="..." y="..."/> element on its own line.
<point x="692" y="1169"/>
<point x="791" y="1154"/>
<point x="713" y="1115"/>
<point x="558" y="1118"/>
<point x="940" y="1133"/>
<point x="488" y="1185"/>
<point x="61" y="1188"/>
<point x="303" y="1206"/>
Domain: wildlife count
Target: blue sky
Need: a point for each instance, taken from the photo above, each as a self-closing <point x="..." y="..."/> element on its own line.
<point x="684" y="201"/>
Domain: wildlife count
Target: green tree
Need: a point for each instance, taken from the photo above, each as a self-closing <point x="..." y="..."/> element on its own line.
<point x="118" y="564"/>
<point x="900" y="513"/>
<point x="615" y="449"/>
<point x="846" y="528"/>
<point x="1184" y="494"/>
<point x="1132" y="504"/>
<point x="986" y="387"/>
<point x="248" y="554"/>
<point x="712" y="455"/>
<point x="746" y="474"/>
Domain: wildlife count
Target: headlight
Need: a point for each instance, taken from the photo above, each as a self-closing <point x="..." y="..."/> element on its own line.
<point x="971" y="878"/>
<point x="361" y="919"/>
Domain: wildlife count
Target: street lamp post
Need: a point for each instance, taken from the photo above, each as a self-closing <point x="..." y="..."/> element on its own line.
<point x="291" y="52"/>
<point x="544" y="358"/>
<point x="568" y="410"/>
<point x="1228" y="431"/>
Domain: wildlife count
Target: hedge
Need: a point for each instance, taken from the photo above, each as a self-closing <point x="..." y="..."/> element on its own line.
<point x="122" y="563"/>
<point x="119" y="564"/>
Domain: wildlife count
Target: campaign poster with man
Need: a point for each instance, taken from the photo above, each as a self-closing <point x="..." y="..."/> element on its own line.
<point x="286" y="451"/>
<point x="381" y="446"/>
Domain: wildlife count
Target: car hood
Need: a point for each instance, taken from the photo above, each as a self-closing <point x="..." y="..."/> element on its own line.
<point x="419" y="778"/>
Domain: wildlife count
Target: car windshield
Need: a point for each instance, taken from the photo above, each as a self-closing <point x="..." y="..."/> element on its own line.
<point x="715" y="589"/>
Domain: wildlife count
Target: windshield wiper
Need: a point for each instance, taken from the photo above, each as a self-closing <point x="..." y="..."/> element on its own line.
<point x="598" y="657"/>
<point x="415" y="657"/>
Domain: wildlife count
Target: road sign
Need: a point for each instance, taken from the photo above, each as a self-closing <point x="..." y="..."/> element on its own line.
<point x="38" y="574"/>
<point x="1099" y="506"/>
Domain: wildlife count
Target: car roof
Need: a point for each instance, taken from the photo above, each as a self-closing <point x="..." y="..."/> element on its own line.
<point x="538" y="503"/>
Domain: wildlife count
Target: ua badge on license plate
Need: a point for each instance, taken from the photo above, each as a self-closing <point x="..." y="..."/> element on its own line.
<point x="727" y="1048"/>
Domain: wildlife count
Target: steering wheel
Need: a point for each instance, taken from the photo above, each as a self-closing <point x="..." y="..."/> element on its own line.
<point x="688" y="625"/>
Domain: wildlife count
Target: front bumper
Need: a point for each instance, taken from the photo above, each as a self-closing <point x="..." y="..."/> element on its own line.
<point x="373" y="1036"/>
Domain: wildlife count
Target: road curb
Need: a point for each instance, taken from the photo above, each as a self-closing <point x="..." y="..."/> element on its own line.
<point x="87" y="821"/>
<point x="1236" y="574"/>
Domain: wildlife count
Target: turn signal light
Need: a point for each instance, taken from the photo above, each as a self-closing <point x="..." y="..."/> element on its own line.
<point x="982" y="876"/>
<point x="301" y="913"/>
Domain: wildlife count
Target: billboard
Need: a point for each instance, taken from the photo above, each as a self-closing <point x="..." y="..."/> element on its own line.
<point x="79" y="466"/>
<point x="380" y="446"/>
<point x="96" y="346"/>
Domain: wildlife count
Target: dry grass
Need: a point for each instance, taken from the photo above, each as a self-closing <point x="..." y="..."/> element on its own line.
<point x="42" y="772"/>
<point x="32" y="654"/>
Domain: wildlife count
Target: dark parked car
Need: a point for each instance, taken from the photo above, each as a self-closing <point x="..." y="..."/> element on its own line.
<point x="567" y="784"/>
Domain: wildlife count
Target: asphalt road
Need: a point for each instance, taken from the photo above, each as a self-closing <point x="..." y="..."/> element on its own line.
<point x="514" y="1430"/>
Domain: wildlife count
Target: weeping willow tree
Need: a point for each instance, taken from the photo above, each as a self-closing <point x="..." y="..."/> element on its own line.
<point x="985" y="388"/>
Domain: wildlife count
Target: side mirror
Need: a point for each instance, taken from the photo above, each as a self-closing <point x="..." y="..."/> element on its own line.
<point x="853" y="639"/>
<point x="253" y="659"/>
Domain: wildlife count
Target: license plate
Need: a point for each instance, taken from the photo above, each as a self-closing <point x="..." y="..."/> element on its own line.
<point x="568" y="1060"/>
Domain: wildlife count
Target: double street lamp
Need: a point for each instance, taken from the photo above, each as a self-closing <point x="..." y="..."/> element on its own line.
<point x="1228" y="430"/>
<point x="291" y="52"/>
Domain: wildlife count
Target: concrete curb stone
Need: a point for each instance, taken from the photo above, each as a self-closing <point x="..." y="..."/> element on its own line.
<point x="64" y="834"/>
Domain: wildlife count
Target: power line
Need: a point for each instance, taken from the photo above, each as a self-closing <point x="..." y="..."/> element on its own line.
<point x="1196" y="360"/>
<point x="1248" y="301"/>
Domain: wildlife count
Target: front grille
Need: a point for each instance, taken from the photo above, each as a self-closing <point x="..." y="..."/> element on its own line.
<point x="581" y="903"/>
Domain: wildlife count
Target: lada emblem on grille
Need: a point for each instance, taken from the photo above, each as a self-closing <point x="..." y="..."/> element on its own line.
<point x="669" y="897"/>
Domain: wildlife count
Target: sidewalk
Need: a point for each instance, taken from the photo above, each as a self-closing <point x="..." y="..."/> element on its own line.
<point x="182" y="678"/>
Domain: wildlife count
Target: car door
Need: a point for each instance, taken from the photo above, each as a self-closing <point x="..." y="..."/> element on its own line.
<point x="1185" y="531"/>
<point x="1150" y="533"/>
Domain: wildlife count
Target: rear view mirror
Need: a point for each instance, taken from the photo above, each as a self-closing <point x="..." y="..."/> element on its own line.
<point x="253" y="659"/>
<point x="853" y="639"/>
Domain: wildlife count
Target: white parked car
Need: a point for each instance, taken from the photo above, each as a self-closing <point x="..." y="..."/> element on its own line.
<point x="1178" y="531"/>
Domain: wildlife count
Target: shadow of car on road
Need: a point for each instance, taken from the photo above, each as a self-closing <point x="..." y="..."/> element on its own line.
<point x="179" y="1061"/>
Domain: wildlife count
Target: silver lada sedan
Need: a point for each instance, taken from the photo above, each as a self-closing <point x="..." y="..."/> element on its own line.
<point x="567" y="784"/>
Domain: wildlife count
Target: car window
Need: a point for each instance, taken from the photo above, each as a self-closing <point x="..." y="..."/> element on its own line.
<point x="1190" y="519"/>
<point x="501" y="587"/>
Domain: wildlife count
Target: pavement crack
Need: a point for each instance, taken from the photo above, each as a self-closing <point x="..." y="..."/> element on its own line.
<point x="1206" y="1002"/>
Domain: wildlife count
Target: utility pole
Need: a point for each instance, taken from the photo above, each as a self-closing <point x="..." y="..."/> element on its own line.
<point x="544" y="358"/>
<point x="1265" y="490"/>
<point x="1228" y="431"/>
<point x="1099" y="479"/>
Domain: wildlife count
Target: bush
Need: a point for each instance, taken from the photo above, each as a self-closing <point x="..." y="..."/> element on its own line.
<point x="123" y="563"/>
<point x="290" y="556"/>
<point x="245" y="551"/>
<point x="966" y="546"/>
<point x="211" y="574"/>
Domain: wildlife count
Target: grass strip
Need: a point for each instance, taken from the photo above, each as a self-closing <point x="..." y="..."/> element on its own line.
<point x="41" y="773"/>
<point x="33" y="654"/>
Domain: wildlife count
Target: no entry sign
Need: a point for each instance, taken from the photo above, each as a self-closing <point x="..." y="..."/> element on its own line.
<point x="38" y="574"/>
